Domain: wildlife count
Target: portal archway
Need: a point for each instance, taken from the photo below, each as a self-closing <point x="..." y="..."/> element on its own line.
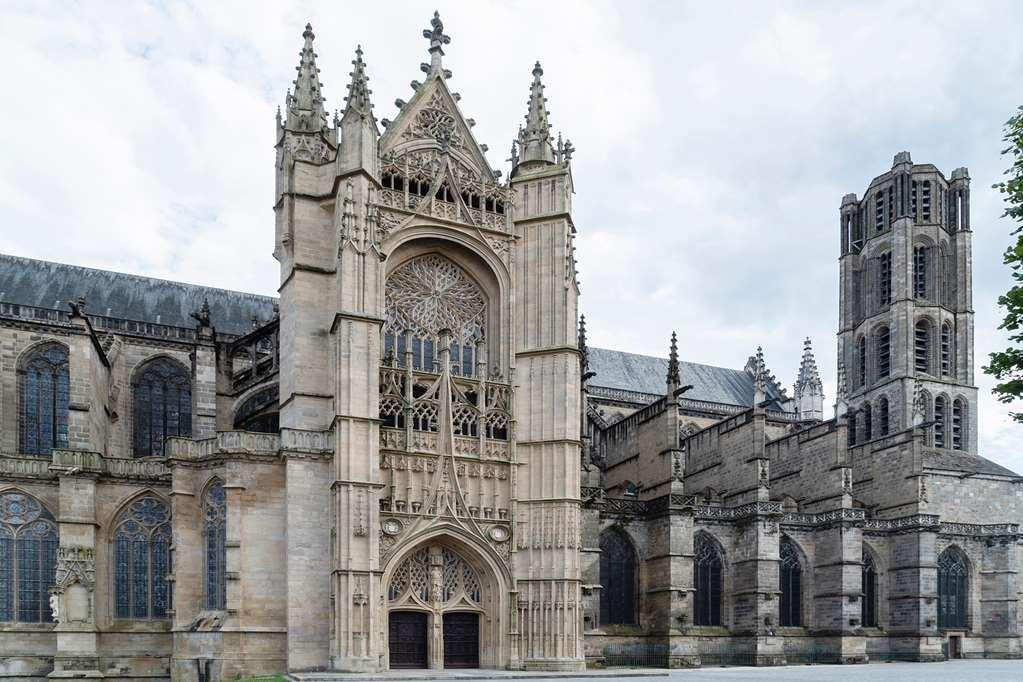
<point x="444" y="608"/>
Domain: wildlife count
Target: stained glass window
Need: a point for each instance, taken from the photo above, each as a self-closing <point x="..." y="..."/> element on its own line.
<point x="617" y="579"/>
<point x="790" y="577"/>
<point x="707" y="576"/>
<point x="214" y="536"/>
<point x="162" y="396"/>
<point x="142" y="560"/>
<point x="28" y="558"/>
<point x="869" y="592"/>
<point x="953" y="587"/>
<point x="44" y="400"/>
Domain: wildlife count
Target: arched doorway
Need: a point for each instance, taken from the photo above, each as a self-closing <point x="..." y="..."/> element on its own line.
<point x="443" y="609"/>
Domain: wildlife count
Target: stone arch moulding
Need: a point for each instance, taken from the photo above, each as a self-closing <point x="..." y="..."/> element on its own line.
<point x="492" y="606"/>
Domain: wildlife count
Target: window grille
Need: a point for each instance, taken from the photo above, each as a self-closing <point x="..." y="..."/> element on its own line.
<point x="215" y="546"/>
<point x="925" y="201"/>
<point x="708" y="579"/>
<point x="142" y="560"/>
<point x="790" y="576"/>
<point x="958" y="423"/>
<point x="45" y="395"/>
<point x="879" y="221"/>
<point x="28" y="559"/>
<point x="939" y="422"/>
<point x="884" y="361"/>
<point x="953" y="588"/>
<point x="946" y="349"/>
<point x="922" y="346"/>
<point x="617" y="579"/>
<point x="869" y="592"/>
<point x="162" y="406"/>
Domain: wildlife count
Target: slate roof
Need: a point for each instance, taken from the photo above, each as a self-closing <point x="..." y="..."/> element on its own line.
<point x="950" y="460"/>
<point x="43" y="284"/>
<point x="646" y="374"/>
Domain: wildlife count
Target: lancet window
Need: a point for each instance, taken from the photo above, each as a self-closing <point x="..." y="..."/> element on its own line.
<point x="958" y="423"/>
<point x="922" y="346"/>
<point x="617" y="579"/>
<point x="215" y="545"/>
<point x="162" y="406"/>
<point x="708" y="578"/>
<point x="882" y="416"/>
<point x="953" y="588"/>
<point x="790" y="577"/>
<point x="869" y="592"/>
<point x="883" y="348"/>
<point x="45" y="394"/>
<point x="884" y="279"/>
<point x="28" y="558"/>
<point x="920" y="272"/>
<point x="946" y="349"/>
<point x="940" y="410"/>
<point x="142" y="560"/>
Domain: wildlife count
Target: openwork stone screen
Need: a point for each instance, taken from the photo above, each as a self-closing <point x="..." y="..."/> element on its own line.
<point x="437" y="576"/>
<point x="142" y="560"/>
<point x="214" y="537"/>
<point x="28" y="558"/>
<point x="423" y="297"/>
<point x="43" y="413"/>
<point x="162" y="406"/>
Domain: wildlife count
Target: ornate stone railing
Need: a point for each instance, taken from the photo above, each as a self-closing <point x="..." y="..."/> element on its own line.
<point x="823" y="518"/>
<point x="301" y="440"/>
<point x="912" y="521"/>
<point x="978" y="530"/>
<point x="706" y="511"/>
<point x="426" y="441"/>
<point x="29" y="313"/>
<point x="25" y="466"/>
<point x="225" y="442"/>
<point x="80" y="461"/>
<point x="624" y="505"/>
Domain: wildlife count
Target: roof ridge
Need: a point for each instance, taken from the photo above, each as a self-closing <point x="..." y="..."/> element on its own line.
<point x="142" y="277"/>
<point x="665" y="360"/>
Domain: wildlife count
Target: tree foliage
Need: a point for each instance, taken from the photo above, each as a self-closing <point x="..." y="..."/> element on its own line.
<point x="1007" y="365"/>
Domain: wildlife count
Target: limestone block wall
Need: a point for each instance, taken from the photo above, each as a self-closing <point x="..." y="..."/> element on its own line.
<point x="975" y="499"/>
<point x="808" y="466"/>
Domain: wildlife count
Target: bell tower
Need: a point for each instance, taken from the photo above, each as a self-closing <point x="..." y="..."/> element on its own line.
<point x="906" y="299"/>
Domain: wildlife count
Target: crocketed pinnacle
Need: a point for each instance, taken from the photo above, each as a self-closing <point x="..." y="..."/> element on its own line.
<point x="305" y="105"/>
<point x="674" y="377"/>
<point x="535" y="138"/>
<point x="358" y="89"/>
<point x="583" y="349"/>
<point x="435" y="34"/>
<point x="809" y="380"/>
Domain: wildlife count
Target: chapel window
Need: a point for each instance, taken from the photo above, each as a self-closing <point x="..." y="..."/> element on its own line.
<point x="162" y="406"/>
<point x="28" y="559"/>
<point x="45" y="398"/>
<point x="708" y="580"/>
<point x="790" y="577"/>
<point x="869" y="577"/>
<point x="214" y="532"/>
<point x="617" y="579"/>
<point x="953" y="588"/>
<point x="142" y="560"/>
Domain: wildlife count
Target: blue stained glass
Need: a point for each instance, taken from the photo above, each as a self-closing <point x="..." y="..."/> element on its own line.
<point x="44" y="400"/>
<point x="28" y="558"/>
<point x="215" y="529"/>
<point x="122" y="577"/>
<point x="162" y="406"/>
<point x="161" y="568"/>
<point x="141" y="561"/>
<point x="6" y="575"/>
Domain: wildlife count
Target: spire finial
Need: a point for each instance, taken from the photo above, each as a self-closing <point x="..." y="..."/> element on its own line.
<point x="842" y="391"/>
<point x="435" y="34"/>
<point x="582" y="343"/>
<point x="674" y="379"/>
<point x="535" y="138"/>
<point x="809" y="379"/>
<point x="358" y="89"/>
<point x="305" y="106"/>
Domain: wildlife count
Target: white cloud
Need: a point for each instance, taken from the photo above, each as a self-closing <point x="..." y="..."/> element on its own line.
<point x="714" y="143"/>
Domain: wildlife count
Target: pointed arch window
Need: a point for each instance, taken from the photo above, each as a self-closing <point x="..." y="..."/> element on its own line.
<point x="162" y="405"/>
<point x="953" y="588"/>
<point x="884" y="278"/>
<point x="45" y="395"/>
<point x="869" y="592"/>
<point x="882" y="417"/>
<point x="861" y="360"/>
<point x="617" y="579"/>
<point x="922" y="346"/>
<point x="946" y="349"/>
<point x="920" y="271"/>
<point x="28" y="558"/>
<point x="939" y="421"/>
<point x="708" y="579"/>
<point x="868" y="422"/>
<point x="790" y="578"/>
<point x="959" y="412"/>
<point x="214" y="545"/>
<point x="884" y="357"/>
<point x="852" y="428"/>
<point x="142" y="560"/>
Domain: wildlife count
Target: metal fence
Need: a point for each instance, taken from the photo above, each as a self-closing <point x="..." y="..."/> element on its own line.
<point x="636" y="655"/>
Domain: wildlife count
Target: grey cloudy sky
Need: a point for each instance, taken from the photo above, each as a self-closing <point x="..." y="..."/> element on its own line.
<point x="715" y="141"/>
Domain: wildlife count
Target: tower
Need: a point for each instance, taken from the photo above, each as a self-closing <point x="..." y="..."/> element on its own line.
<point x="906" y="305"/>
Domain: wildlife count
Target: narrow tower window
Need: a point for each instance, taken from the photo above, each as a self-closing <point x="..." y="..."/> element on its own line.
<point x="939" y="422"/>
<point x="868" y="422"/>
<point x="946" y="349"/>
<point x="884" y="277"/>
<point x="891" y="202"/>
<point x="214" y="535"/>
<point x="852" y="428"/>
<point x="921" y="346"/>
<point x="861" y="361"/>
<point x="869" y="592"/>
<point x="879" y="211"/>
<point x="925" y="201"/>
<point x="920" y="272"/>
<point x="882" y="417"/>
<point x="883" y="352"/>
<point x="958" y="423"/>
<point x="912" y="199"/>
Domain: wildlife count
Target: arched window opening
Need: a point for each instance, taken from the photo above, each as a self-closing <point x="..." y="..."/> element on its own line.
<point x="28" y="559"/>
<point x="884" y="279"/>
<point x="424" y="296"/>
<point x="45" y="393"/>
<point x="920" y="272"/>
<point x="882" y="417"/>
<point x="214" y="531"/>
<point x="162" y="406"/>
<point x="861" y="361"/>
<point x="958" y="423"/>
<point x="939" y="422"/>
<point x="142" y="560"/>
<point x="925" y="201"/>
<point x="790" y="577"/>
<point x="260" y="412"/>
<point x="922" y="346"/>
<point x="879" y="221"/>
<point x="884" y="353"/>
<point x="617" y="579"/>
<point x="869" y="592"/>
<point x="946" y="349"/>
<point x="953" y="588"/>
<point x="912" y="199"/>
<point x="852" y="428"/>
<point x="708" y="579"/>
<point x="868" y="422"/>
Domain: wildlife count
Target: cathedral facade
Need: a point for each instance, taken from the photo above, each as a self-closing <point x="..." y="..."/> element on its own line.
<point x="412" y="459"/>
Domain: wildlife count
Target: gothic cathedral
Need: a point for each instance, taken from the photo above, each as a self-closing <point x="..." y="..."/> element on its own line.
<point x="413" y="459"/>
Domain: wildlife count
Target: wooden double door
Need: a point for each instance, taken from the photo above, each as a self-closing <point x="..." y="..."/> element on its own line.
<point x="408" y="639"/>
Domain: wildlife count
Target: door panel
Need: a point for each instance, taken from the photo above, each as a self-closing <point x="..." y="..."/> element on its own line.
<point x="461" y="640"/>
<point x="406" y="639"/>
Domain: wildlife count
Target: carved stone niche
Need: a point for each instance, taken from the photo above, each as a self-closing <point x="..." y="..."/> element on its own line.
<point x="72" y="598"/>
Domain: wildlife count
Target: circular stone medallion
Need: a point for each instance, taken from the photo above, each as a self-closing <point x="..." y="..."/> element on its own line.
<point x="392" y="526"/>
<point x="498" y="533"/>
